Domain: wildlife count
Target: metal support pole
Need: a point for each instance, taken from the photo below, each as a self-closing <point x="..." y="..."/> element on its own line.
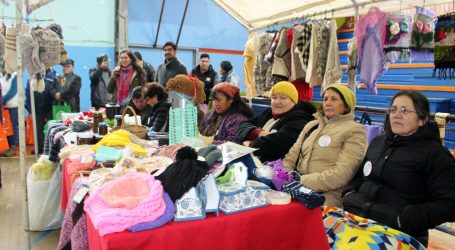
<point x="21" y="120"/>
<point x="181" y="24"/>
<point x="159" y="24"/>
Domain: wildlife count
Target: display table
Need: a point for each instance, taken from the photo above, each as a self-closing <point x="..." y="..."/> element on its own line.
<point x="290" y="226"/>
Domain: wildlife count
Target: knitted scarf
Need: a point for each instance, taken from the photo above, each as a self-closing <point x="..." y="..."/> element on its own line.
<point x="422" y="46"/>
<point x="398" y="34"/>
<point x="262" y="70"/>
<point x="444" y="50"/>
<point x="10" y="50"/>
<point x="370" y="34"/>
<point x="124" y="82"/>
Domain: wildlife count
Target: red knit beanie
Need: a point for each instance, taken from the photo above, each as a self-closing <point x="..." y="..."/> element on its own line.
<point x="226" y="88"/>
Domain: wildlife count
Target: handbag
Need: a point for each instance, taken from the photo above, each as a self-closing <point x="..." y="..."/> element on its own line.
<point x="7" y="125"/>
<point x="58" y="109"/>
<point x="3" y="141"/>
<point x="29" y="136"/>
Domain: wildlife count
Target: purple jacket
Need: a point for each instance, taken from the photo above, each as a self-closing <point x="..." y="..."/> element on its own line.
<point x="227" y="129"/>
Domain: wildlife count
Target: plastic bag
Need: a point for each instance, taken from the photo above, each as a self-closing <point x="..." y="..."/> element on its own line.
<point x="44" y="202"/>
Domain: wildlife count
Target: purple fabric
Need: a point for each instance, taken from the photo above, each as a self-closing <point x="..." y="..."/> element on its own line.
<point x="281" y="176"/>
<point x="160" y="221"/>
<point x="371" y="64"/>
<point x="75" y="235"/>
<point x="227" y="131"/>
<point x="372" y="131"/>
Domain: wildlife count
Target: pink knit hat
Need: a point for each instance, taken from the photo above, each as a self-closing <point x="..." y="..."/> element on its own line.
<point x="114" y="208"/>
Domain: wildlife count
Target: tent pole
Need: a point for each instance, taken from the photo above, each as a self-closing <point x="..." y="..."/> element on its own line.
<point x="159" y="24"/>
<point x="21" y="120"/>
<point x="181" y="24"/>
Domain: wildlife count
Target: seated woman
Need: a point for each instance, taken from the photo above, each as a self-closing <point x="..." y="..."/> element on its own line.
<point x="228" y="112"/>
<point x="157" y="118"/>
<point x="330" y="149"/>
<point x="275" y="130"/>
<point x="408" y="177"/>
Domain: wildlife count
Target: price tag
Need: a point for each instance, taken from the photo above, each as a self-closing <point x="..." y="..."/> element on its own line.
<point x="80" y="194"/>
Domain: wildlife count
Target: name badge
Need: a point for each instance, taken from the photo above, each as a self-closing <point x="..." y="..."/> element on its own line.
<point x="324" y="141"/>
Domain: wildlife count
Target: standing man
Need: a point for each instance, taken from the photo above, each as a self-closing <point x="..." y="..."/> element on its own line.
<point x="227" y="73"/>
<point x="171" y="66"/>
<point x="147" y="67"/>
<point x="99" y="79"/>
<point x="205" y="72"/>
<point x="68" y="87"/>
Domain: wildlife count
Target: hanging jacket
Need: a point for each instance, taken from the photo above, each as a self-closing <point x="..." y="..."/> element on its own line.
<point x="276" y="145"/>
<point x="412" y="177"/>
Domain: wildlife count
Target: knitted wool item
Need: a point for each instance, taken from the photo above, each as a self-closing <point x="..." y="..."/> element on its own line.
<point x="187" y="85"/>
<point x="352" y="63"/>
<point x="323" y="48"/>
<point x="332" y="73"/>
<point x="2" y="49"/>
<point x="262" y="74"/>
<point x="183" y="174"/>
<point x="422" y="41"/>
<point x="311" y="72"/>
<point x="370" y="34"/>
<point x="300" y="40"/>
<point x="10" y="50"/>
<point x="398" y="34"/>
<point x="282" y="59"/>
<point x="109" y="219"/>
<point x="73" y="234"/>
<point x="269" y="56"/>
<point x="248" y="66"/>
<point x="444" y="51"/>
<point x="30" y="55"/>
<point x="49" y="43"/>
<point x="162" y="220"/>
<point x="127" y="193"/>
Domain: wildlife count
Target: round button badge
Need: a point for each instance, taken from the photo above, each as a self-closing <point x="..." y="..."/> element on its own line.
<point x="324" y="141"/>
<point x="367" y="168"/>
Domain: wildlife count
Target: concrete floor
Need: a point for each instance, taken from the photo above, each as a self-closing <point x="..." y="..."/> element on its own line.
<point x="12" y="234"/>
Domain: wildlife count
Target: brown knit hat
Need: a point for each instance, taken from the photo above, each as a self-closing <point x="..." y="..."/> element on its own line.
<point x="185" y="84"/>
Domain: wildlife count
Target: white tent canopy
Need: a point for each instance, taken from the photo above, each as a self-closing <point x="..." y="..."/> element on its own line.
<point x="257" y="14"/>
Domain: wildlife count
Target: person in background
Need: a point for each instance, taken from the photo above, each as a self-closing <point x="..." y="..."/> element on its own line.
<point x="227" y="73"/>
<point x="138" y="102"/>
<point x="408" y="177"/>
<point x="147" y="67"/>
<point x="330" y="149"/>
<point x="124" y="78"/>
<point x="99" y="79"/>
<point x="157" y="118"/>
<point x="43" y="105"/>
<point x="67" y="87"/>
<point x="205" y="72"/>
<point x="171" y="66"/>
<point x="229" y="110"/>
<point x="279" y="125"/>
<point x="10" y="102"/>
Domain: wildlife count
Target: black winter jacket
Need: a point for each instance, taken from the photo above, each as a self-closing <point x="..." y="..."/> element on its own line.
<point x="209" y="78"/>
<point x="158" y="116"/>
<point x="411" y="177"/>
<point x="276" y="145"/>
<point x="169" y="69"/>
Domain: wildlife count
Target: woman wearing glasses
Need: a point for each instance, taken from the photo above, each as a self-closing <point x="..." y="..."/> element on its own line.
<point x="407" y="180"/>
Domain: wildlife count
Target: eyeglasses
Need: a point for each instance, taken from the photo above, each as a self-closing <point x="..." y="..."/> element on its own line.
<point x="402" y="110"/>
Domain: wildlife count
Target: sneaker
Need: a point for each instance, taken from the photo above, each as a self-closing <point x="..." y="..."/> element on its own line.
<point x="10" y="152"/>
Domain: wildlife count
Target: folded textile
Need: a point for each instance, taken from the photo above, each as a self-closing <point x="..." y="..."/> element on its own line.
<point x="108" y="219"/>
<point x="104" y="154"/>
<point x="162" y="220"/>
<point x="304" y="195"/>
<point x="119" y="138"/>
